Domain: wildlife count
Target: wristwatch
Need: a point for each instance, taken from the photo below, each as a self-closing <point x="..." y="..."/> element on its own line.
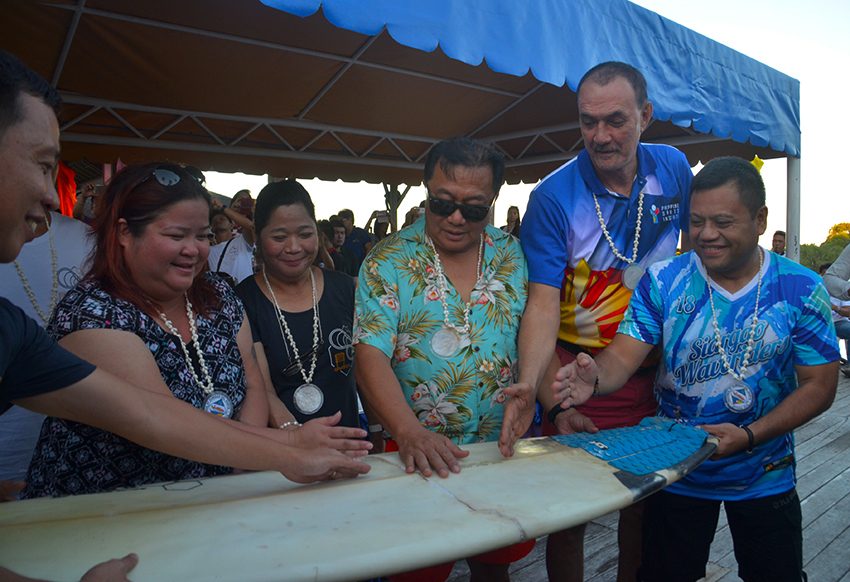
<point x="553" y="412"/>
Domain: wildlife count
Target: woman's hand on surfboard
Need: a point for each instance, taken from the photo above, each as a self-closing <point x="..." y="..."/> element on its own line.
<point x="322" y="464"/>
<point x="519" y="412"/>
<point x="572" y="421"/>
<point x="428" y="452"/>
<point x="323" y="432"/>
<point x="575" y="382"/>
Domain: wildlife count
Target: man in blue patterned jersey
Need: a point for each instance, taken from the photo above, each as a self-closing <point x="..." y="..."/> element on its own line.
<point x="749" y="354"/>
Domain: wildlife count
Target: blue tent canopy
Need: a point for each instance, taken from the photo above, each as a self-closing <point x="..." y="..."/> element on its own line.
<point x="694" y="81"/>
<point x="361" y="89"/>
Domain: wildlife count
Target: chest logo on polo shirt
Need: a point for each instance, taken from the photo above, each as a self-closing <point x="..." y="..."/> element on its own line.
<point x="664" y="212"/>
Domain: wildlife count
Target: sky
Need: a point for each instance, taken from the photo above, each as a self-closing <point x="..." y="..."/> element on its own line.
<point x="805" y="40"/>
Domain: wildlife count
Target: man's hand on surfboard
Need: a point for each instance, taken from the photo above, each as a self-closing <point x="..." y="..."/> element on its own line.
<point x="731" y="438"/>
<point x="9" y="490"/>
<point x="519" y="412"/>
<point x="323" y="432"/>
<point x="575" y="382"/>
<point x="425" y="451"/>
<point x="111" y="570"/>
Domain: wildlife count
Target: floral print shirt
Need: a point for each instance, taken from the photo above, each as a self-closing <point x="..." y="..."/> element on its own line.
<point x="399" y="311"/>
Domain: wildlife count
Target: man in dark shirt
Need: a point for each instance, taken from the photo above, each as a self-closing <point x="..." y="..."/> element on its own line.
<point x="357" y="240"/>
<point x="38" y="374"/>
<point x="348" y="261"/>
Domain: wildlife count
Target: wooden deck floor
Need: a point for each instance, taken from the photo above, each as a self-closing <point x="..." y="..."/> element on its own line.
<point x="823" y="473"/>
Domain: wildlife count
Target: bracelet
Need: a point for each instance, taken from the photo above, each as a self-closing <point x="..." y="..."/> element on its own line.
<point x="751" y="440"/>
<point x="375" y="428"/>
<point x="553" y="412"/>
<point x="289" y="423"/>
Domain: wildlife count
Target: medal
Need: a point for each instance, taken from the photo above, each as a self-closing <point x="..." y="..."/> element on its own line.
<point x="738" y="398"/>
<point x="308" y="398"/>
<point x="219" y="404"/>
<point x="446" y="343"/>
<point x="216" y="402"/>
<point x="632" y="276"/>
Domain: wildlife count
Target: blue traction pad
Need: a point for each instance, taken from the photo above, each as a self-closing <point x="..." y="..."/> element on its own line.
<point x="654" y="444"/>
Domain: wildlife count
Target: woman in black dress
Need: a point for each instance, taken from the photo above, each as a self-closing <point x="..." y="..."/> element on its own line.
<point x="301" y="315"/>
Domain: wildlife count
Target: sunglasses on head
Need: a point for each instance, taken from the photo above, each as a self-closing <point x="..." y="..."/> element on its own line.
<point x="167" y="177"/>
<point x="470" y="212"/>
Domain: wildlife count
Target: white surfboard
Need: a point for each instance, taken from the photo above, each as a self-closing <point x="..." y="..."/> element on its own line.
<point x="260" y="526"/>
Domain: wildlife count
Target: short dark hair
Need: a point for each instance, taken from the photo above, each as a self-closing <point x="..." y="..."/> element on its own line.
<point x="214" y="212"/>
<point x="604" y="73"/>
<point x="782" y="232"/>
<point x="326" y="228"/>
<point x="17" y="78"/>
<point x="276" y="194"/>
<point x="468" y="153"/>
<point x="336" y="222"/>
<point x="346" y="213"/>
<point x="721" y="171"/>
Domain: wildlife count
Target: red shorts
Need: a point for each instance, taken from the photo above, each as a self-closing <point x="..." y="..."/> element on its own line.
<point x="625" y="407"/>
<point x="506" y="555"/>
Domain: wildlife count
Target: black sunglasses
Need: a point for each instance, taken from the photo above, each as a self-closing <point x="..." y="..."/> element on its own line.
<point x="470" y="212"/>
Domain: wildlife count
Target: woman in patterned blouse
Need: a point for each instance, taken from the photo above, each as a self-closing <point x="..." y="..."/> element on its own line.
<point x="150" y="313"/>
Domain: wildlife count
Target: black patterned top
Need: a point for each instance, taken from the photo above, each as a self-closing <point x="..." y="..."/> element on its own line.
<point x="72" y="458"/>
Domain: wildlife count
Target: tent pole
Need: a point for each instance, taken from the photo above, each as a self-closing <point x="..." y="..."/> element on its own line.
<point x="792" y="246"/>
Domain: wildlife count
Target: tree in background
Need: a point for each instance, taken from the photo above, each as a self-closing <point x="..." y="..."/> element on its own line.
<point x="813" y="256"/>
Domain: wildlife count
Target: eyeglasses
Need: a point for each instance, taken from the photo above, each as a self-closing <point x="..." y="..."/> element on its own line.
<point x="470" y="212"/>
<point x="293" y="368"/>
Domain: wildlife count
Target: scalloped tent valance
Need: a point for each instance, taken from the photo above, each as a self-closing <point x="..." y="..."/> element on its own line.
<point x="695" y="82"/>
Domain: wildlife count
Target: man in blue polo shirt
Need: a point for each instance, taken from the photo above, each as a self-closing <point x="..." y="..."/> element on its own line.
<point x="591" y="229"/>
<point x="749" y="354"/>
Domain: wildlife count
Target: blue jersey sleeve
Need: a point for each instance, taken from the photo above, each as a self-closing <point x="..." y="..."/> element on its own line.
<point x="644" y="319"/>
<point x="813" y="336"/>
<point x="544" y="235"/>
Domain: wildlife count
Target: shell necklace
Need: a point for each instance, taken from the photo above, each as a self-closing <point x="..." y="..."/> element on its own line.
<point x="216" y="402"/>
<point x="451" y="338"/>
<point x="739" y="373"/>
<point x="633" y="272"/>
<point x="54" y="291"/>
<point x="308" y="397"/>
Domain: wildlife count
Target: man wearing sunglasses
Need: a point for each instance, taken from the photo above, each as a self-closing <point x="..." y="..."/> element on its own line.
<point x="438" y="308"/>
<point x="591" y="229"/>
<point x="37" y="374"/>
